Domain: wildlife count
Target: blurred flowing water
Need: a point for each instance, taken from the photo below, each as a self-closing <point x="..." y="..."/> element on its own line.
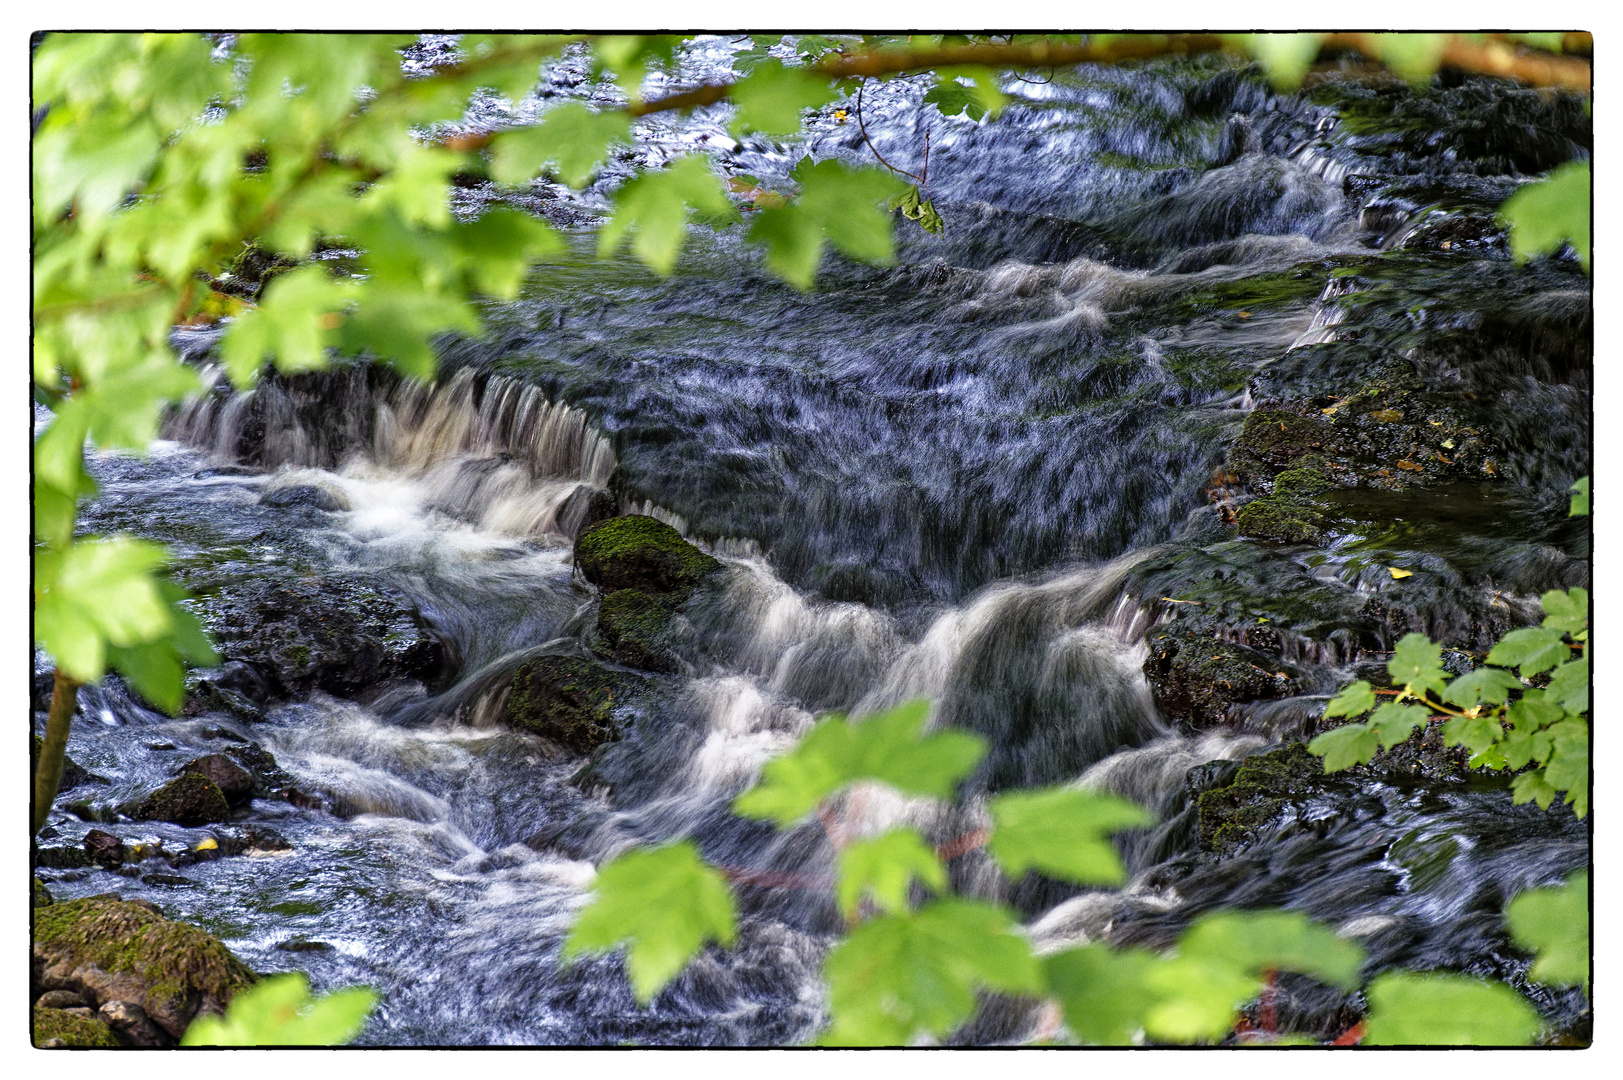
<point x="969" y="477"/>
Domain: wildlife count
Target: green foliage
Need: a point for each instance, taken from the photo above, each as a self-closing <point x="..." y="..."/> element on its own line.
<point x="915" y="207"/>
<point x="1543" y="215"/>
<point x="1062" y="832"/>
<point x="971" y="92"/>
<point x="890" y="748"/>
<point x="836" y="204"/>
<point x="1554" y="925"/>
<point x="279" y="1011"/>
<point x="901" y="975"/>
<point x="1406" y="1009"/>
<point x="663" y="903"/>
<point x="1580" y="498"/>
<point x="884" y="867"/>
<point x="654" y="209"/>
<point x="1414" y="56"/>
<point x="772" y="97"/>
<point x="571" y="138"/>
<point x="1285" y="56"/>
<point x="1504" y="722"/>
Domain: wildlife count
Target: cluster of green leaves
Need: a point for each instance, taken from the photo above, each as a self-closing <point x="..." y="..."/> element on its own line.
<point x="916" y="956"/>
<point x="161" y="155"/>
<point x="279" y="1011"/>
<point x="1494" y="710"/>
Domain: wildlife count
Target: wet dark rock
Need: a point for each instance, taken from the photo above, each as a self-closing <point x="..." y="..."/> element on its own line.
<point x="1262" y="792"/>
<point x="568" y="700"/>
<point x="298" y="945"/>
<point x="584" y="508"/>
<point x="251" y="840"/>
<point x="174" y="880"/>
<point x="72" y="774"/>
<point x="643" y="553"/>
<point x="317" y="498"/>
<point x="234" y="782"/>
<point x="104" y="848"/>
<point x="61" y="857"/>
<point x="59" y="1029"/>
<point x="1197" y="678"/>
<point x="635" y="630"/>
<point x="341" y="633"/>
<point x="131" y="1024"/>
<point x="188" y="800"/>
<point x="107" y="949"/>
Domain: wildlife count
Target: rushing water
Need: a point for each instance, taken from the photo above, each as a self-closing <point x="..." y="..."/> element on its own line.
<point x="971" y="477"/>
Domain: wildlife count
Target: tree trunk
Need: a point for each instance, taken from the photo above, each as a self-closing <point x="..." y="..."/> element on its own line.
<point x="48" y="777"/>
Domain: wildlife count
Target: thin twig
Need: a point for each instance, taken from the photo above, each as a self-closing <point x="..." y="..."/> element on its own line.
<point x="864" y="129"/>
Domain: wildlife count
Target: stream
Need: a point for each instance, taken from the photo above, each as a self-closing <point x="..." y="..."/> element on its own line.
<point x="997" y="475"/>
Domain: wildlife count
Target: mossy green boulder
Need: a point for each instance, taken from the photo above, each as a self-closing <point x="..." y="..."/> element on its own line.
<point x="60" y="1028"/>
<point x="569" y="701"/>
<point x="634" y="629"/>
<point x="1196" y="678"/>
<point x="189" y="799"/>
<point x="642" y="553"/>
<point x="107" y="949"/>
<point x="1277" y="517"/>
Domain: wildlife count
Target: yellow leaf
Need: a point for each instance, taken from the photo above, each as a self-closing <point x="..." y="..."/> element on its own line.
<point x="207" y="845"/>
<point x="1399" y="575"/>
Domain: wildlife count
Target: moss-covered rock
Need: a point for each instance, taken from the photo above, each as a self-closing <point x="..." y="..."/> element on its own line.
<point x="1277" y="517"/>
<point x="187" y="800"/>
<point x="108" y="949"/>
<point x="234" y="782"/>
<point x="568" y="700"/>
<point x="634" y="627"/>
<point x="1281" y="438"/>
<point x="54" y="1028"/>
<point x="1196" y="678"/>
<point x="1302" y="483"/>
<point x="42" y="895"/>
<point x="1259" y="794"/>
<point x="643" y="553"/>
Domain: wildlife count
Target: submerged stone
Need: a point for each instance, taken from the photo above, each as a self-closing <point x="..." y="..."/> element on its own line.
<point x="634" y="627"/>
<point x="107" y="949"/>
<point x="188" y="800"/>
<point x="568" y="700"/>
<point x="1287" y="520"/>
<point x="644" y="553"/>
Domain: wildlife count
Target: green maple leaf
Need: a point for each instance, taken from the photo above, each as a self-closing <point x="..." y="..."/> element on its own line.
<point x="1484" y="685"/>
<point x="1543" y="214"/>
<point x="1417" y="664"/>
<point x="1063" y="832"/>
<point x="664" y="903"/>
<point x="572" y="138"/>
<point x="901" y="975"/>
<point x="884" y="867"/>
<point x="1553" y="924"/>
<point x="891" y="748"/>
<point x="1406" y="1009"/>
<point x="1567" y="611"/>
<point x="1532" y="650"/>
<point x="1345" y="746"/>
<point x="1354" y="700"/>
<point x="653" y="209"/>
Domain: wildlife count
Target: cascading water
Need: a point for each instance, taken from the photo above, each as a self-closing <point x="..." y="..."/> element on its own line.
<point x="987" y="477"/>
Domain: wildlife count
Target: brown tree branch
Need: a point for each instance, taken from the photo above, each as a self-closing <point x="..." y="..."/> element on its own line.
<point x="1491" y="57"/>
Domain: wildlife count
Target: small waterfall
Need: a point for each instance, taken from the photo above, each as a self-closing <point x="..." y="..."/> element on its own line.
<point x="485" y="449"/>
